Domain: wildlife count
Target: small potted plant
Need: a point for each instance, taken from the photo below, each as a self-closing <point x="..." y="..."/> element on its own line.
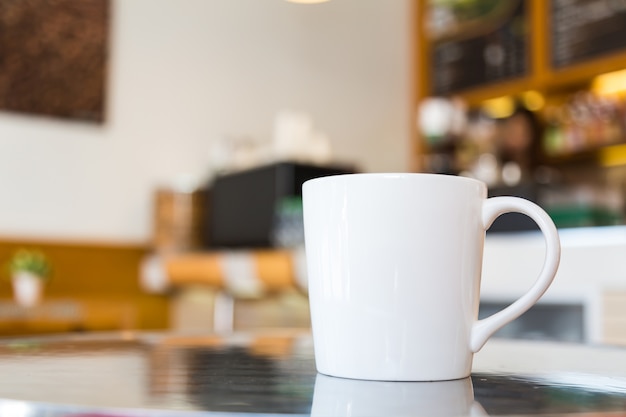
<point x="28" y="270"/>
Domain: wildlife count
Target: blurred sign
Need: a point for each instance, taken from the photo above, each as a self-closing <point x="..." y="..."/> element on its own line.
<point x="583" y="29"/>
<point x="476" y="42"/>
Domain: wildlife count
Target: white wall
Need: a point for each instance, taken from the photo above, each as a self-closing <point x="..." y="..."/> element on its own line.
<point x="186" y="72"/>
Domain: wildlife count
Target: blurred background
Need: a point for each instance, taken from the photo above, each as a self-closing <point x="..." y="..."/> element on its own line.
<point x="152" y="151"/>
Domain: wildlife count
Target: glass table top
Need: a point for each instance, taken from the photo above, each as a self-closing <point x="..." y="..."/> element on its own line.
<point x="273" y="373"/>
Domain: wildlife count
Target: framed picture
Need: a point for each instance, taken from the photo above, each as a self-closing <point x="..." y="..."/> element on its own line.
<point x="53" y="57"/>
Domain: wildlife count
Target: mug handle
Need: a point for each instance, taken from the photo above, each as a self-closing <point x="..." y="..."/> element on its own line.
<point x="492" y="208"/>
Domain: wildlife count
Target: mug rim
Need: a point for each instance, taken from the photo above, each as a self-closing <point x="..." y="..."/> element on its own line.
<point x="397" y="175"/>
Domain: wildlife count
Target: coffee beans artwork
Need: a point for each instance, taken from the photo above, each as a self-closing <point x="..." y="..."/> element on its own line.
<point x="53" y="58"/>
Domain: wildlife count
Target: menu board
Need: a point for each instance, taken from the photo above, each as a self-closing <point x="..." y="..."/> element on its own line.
<point x="476" y="42"/>
<point x="584" y="29"/>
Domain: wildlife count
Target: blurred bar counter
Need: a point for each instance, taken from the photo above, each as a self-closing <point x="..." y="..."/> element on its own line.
<point x="242" y="273"/>
<point x="224" y="290"/>
<point x="591" y="279"/>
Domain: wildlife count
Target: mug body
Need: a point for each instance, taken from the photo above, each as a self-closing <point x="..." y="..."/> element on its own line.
<point x="394" y="264"/>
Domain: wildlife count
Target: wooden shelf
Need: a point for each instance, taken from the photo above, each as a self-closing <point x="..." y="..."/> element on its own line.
<point x="72" y="314"/>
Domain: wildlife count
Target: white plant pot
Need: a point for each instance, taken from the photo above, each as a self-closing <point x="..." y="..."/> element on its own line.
<point x="27" y="289"/>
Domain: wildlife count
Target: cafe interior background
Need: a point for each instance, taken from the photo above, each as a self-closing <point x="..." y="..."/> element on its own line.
<point x="151" y="151"/>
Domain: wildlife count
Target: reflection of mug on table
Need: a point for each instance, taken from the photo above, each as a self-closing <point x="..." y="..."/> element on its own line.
<point x="350" y="397"/>
<point x="394" y="264"/>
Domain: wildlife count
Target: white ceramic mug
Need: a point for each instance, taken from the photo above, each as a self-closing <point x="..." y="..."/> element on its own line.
<point x="394" y="264"/>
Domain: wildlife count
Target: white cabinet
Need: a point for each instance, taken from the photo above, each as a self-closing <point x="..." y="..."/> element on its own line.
<point x="592" y="274"/>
